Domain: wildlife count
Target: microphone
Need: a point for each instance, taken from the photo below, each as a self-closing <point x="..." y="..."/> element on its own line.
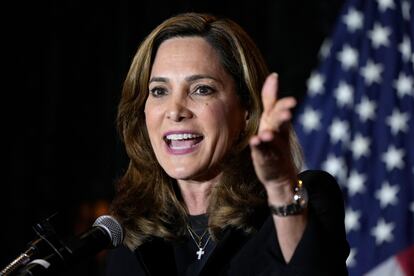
<point x="106" y="232"/>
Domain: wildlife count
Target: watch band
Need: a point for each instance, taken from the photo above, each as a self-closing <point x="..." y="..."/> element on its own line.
<point x="286" y="210"/>
<point x="300" y="200"/>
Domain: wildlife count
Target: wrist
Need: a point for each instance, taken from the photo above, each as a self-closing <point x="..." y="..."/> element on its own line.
<point x="280" y="192"/>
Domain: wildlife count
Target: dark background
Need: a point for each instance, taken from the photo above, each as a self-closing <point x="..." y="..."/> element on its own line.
<point x="64" y="65"/>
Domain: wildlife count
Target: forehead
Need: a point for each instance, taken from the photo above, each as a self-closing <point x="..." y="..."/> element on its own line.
<point x="187" y="53"/>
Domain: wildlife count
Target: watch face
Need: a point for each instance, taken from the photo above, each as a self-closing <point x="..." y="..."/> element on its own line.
<point x="301" y="196"/>
<point x="300" y="200"/>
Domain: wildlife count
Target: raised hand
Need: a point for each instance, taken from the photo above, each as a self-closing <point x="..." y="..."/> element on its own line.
<point x="270" y="147"/>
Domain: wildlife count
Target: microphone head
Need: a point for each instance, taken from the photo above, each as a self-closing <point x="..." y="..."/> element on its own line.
<point x="112" y="227"/>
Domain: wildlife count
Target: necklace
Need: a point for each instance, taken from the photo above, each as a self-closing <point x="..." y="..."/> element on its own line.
<point x="198" y="241"/>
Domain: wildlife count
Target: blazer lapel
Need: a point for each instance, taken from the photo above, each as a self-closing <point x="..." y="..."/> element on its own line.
<point x="230" y="244"/>
<point x="224" y="251"/>
<point x="157" y="257"/>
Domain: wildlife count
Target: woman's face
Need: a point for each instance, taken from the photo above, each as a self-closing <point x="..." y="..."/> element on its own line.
<point x="193" y="114"/>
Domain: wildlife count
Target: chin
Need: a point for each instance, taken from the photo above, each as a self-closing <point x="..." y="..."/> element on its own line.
<point x="193" y="175"/>
<point x="179" y="173"/>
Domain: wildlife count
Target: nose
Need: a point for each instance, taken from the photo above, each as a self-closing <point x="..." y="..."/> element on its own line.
<point x="178" y="110"/>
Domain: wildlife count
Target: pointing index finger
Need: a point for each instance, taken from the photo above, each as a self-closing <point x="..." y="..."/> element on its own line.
<point x="269" y="92"/>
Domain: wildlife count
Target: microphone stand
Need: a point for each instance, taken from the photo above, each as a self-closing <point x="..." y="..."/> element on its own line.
<point x="47" y="242"/>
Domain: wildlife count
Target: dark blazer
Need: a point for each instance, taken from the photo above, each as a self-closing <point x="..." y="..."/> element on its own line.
<point x="322" y="250"/>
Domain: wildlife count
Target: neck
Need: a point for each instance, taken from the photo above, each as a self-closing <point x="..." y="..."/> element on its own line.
<point x="196" y="194"/>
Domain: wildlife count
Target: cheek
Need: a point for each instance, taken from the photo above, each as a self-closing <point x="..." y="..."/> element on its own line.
<point x="213" y="114"/>
<point x="223" y="119"/>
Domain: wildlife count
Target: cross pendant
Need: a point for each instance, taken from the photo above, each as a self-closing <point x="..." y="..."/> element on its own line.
<point x="200" y="253"/>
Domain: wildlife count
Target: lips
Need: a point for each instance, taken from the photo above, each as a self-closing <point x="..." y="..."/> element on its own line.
<point x="182" y="142"/>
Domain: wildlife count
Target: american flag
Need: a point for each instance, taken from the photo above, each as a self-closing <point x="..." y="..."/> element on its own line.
<point x="357" y="122"/>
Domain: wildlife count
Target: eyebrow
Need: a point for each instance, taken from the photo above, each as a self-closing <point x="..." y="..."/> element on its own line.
<point x="189" y="78"/>
<point x="197" y="77"/>
<point x="158" y="79"/>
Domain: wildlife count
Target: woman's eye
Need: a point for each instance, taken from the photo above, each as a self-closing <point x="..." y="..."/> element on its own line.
<point x="204" y="90"/>
<point x="157" y="92"/>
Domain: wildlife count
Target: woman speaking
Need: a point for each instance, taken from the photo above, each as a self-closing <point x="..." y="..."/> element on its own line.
<point x="213" y="184"/>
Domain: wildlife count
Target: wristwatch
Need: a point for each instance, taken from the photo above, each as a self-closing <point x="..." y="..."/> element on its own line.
<point x="300" y="201"/>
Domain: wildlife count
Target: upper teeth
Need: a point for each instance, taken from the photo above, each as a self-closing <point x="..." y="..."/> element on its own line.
<point x="182" y="136"/>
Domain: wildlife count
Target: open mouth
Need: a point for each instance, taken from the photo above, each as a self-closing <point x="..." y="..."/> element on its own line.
<point x="183" y="141"/>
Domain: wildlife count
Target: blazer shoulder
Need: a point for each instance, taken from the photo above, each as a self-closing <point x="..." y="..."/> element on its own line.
<point x="319" y="181"/>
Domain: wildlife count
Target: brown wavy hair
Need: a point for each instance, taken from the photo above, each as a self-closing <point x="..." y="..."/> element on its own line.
<point x="148" y="202"/>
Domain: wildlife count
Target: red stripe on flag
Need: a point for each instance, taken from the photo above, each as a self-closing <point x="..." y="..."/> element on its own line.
<point x="406" y="261"/>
